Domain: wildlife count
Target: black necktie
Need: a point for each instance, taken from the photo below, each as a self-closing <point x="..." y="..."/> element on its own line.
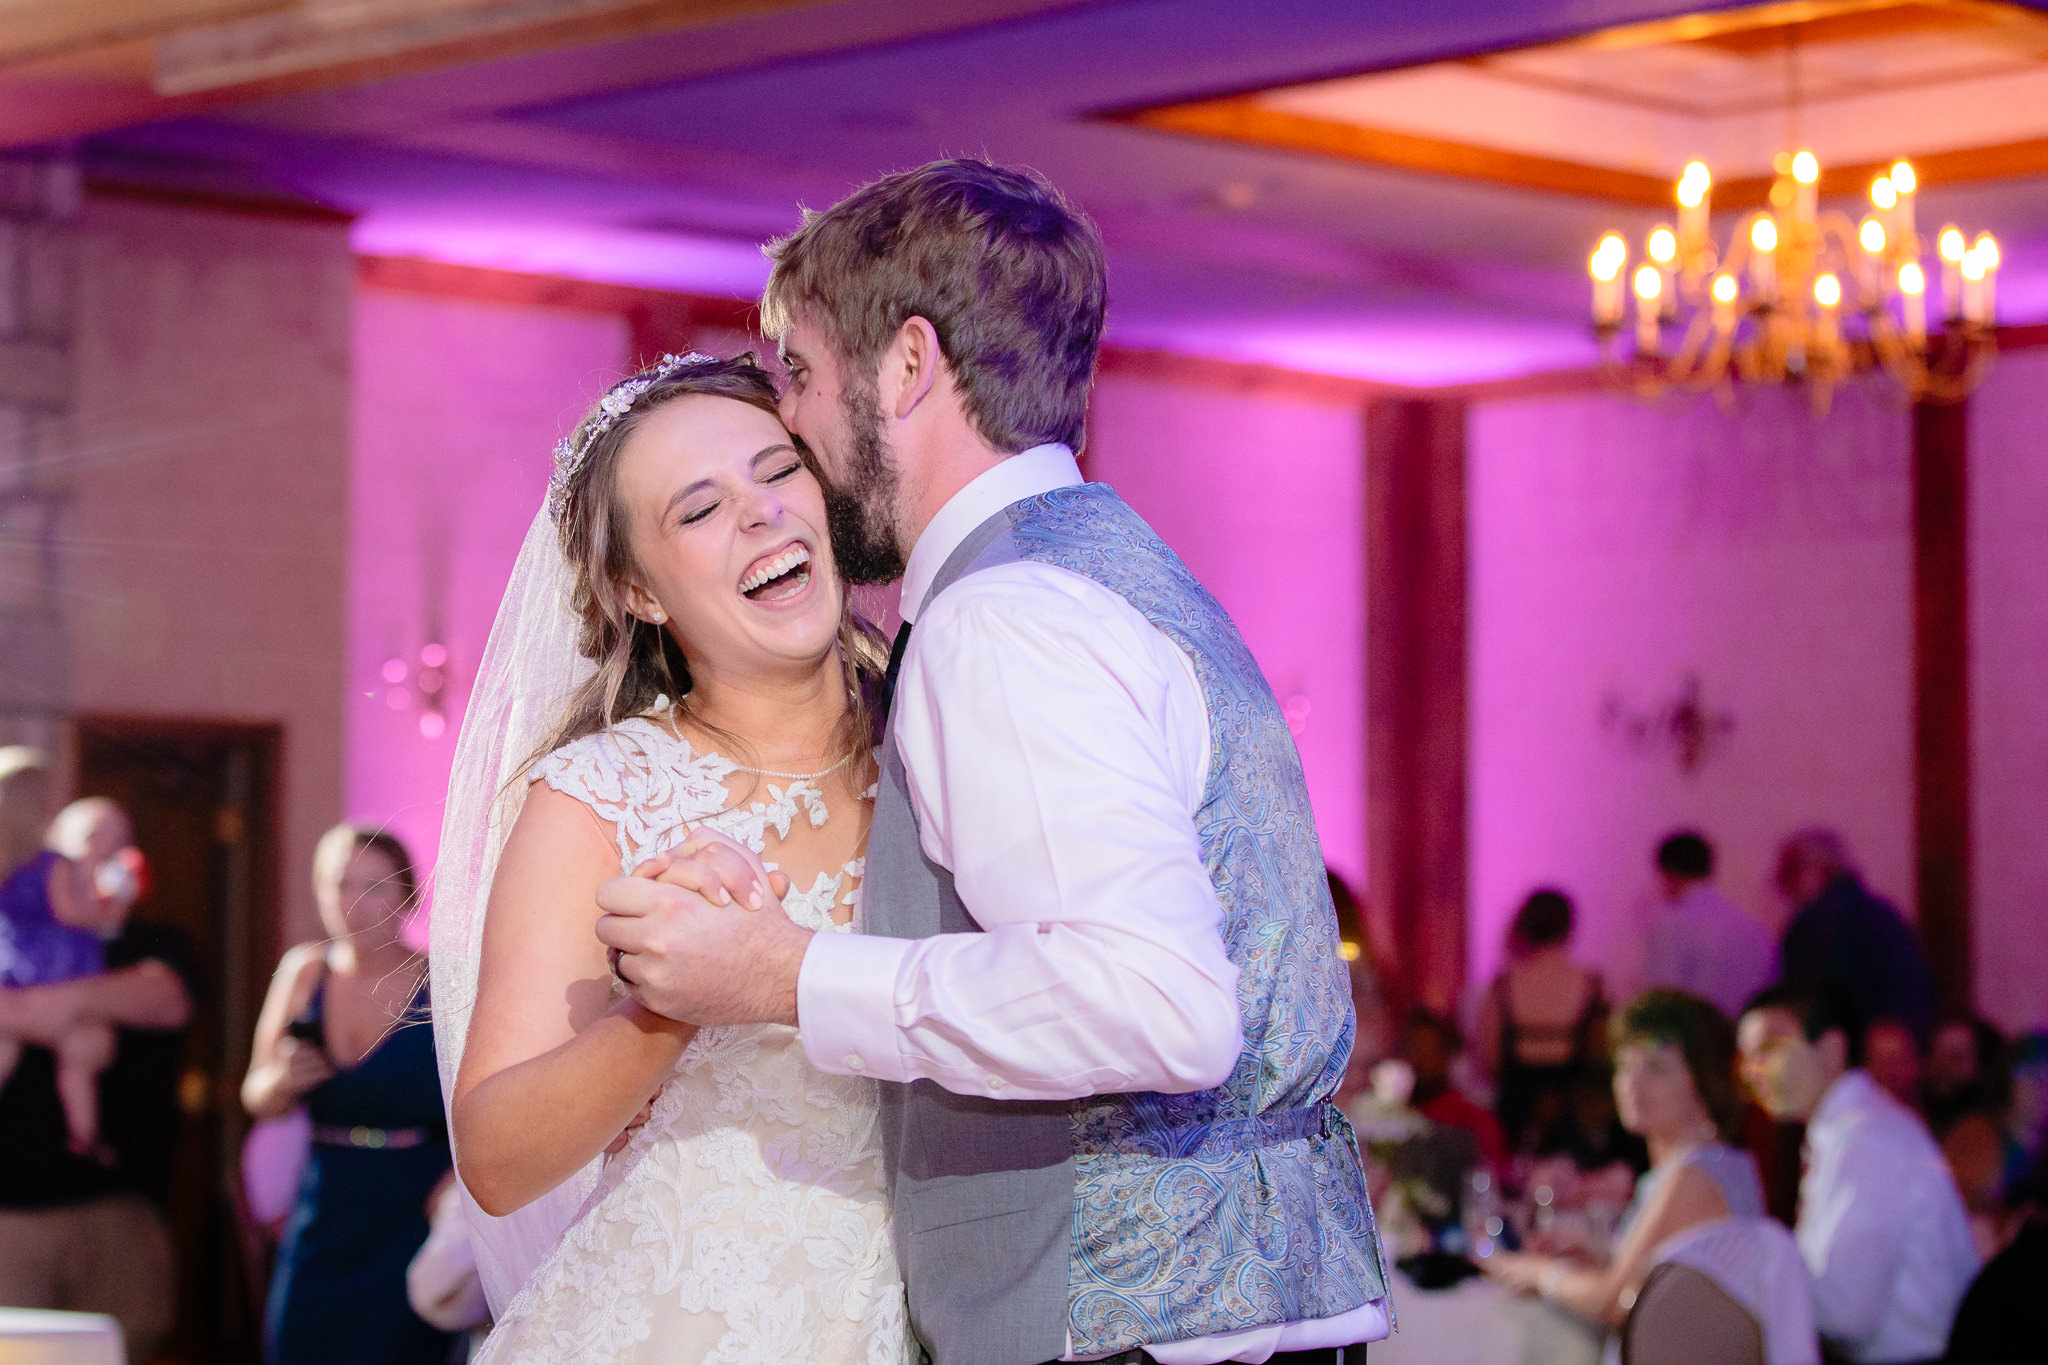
<point x="895" y="666"/>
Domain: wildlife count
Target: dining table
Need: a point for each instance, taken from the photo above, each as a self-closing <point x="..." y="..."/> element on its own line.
<point x="1479" y="1322"/>
<point x="40" y="1336"/>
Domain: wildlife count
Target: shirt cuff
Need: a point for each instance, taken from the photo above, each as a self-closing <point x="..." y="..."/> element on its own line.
<point x="846" y="1005"/>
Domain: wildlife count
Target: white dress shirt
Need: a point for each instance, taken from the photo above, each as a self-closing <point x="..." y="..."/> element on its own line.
<point x="1703" y="943"/>
<point x="1882" y="1227"/>
<point x="1057" y="749"/>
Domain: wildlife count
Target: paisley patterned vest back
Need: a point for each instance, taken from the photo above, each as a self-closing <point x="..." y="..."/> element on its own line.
<point x="1028" y="1231"/>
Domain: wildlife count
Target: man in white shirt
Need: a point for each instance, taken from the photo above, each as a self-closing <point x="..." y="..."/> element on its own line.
<point x="1700" y="941"/>
<point x="1101" y="979"/>
<point x="1881" y="1224"/>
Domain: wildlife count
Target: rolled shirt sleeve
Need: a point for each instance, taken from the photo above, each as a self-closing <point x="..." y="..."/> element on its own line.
<point x="1056" y="745"/>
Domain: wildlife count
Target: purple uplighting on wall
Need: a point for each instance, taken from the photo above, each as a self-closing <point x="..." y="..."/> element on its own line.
<point x="653" y="260"/>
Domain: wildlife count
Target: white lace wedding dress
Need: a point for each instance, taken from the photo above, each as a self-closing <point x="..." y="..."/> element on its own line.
<point x="745" y="1223"/>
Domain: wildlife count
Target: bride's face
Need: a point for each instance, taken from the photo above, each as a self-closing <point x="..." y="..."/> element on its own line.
<point x="728" y="528"/>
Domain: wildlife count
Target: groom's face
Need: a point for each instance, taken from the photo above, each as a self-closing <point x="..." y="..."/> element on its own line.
<point x="837" y="414"/>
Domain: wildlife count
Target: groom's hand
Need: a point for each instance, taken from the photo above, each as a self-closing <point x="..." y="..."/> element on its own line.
<point x="689" y="958"/>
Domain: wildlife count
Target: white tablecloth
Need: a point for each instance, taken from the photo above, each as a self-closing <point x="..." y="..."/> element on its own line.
<point x="34" y="1336"/>
<point x="1480" y="1323"/>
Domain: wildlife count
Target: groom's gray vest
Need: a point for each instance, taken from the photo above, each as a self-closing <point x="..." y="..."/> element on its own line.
<point x="1030" y="1230"/>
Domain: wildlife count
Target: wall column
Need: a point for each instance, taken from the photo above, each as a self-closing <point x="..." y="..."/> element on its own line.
<point x="1416" y="710"/>
<point x="1941" y="693"/>
<point x="38" y="199"/>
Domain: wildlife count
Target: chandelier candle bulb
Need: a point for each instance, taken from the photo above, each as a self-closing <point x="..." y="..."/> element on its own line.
<point x="1725" y="292"/>
<point x="1951" y="246"/>
<point x="1649" y="287"/>
<point x="1827" y="292"/>
<point x="1986" y="249"/>
<point x="1662" y="249"/>
<point x="1913" y="301"/>
<point x="1694" y="191"/>
<point x="1972" y="270"/>
<point x="1605" y="267"/>
<point x="1904" y="183"/>
<point x="1806" y="194"/>
<point x="1885" y="200"/>
<point x="1763" y="258"/>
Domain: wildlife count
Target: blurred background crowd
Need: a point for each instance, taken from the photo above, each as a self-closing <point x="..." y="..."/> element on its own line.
<point x="1568" y="1145"/>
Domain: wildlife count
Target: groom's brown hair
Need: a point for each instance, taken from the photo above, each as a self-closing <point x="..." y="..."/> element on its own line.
<point x="1008" y="273"/>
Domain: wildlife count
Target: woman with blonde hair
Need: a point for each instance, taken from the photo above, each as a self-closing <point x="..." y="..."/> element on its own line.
<point x="344" y="1033"/>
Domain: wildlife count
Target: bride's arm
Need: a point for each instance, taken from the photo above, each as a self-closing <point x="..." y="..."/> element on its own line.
<point x="553" y="1069"/>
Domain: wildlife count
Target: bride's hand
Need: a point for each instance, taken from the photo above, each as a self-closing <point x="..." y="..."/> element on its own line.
<point x="618" y="1144"/>
<point x="689" y="950"/>
<point x="717" y="868"/>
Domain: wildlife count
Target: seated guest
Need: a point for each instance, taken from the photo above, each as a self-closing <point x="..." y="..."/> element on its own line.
<point x="1881" y="1224"/>
<point x="2026" y="1117"/>
<point x="1372" y="1041"/>
<point x="1967" y="1072"/>
<point x="1891" y="1054"/>
<point x="1674" y="1083"/>
<point x="1845" y="941"/>
<point x="2004" y="1316"/>
<point x="1966" y="1098"/>
<point x="1542" y="1022"/>
<point x="1431" y="1044"/>
<point x="1700" y="941"/>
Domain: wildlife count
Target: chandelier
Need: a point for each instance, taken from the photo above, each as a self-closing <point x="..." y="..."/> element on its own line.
<point x="1799" y="294"/>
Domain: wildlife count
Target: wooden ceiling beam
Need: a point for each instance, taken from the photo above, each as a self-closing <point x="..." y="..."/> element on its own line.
<point x="31" y="29"/>
<point x="325" y="39"/>
<point x="1246" y="120"/>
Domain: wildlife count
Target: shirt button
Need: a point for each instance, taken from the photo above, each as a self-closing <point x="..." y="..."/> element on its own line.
<point x="856" y="1062"/>
<point x="995" y="1082"/>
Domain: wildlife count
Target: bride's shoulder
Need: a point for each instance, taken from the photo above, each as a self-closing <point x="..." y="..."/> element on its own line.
<point x="638" y="762"/>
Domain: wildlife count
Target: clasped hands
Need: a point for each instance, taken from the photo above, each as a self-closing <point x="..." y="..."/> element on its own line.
<point x="699" y="935"/>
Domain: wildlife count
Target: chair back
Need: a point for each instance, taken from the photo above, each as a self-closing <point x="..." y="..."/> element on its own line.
<point x="1681" y="1317"/>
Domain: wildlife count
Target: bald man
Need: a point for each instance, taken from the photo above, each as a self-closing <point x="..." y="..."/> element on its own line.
<point x="80" y="1223"/>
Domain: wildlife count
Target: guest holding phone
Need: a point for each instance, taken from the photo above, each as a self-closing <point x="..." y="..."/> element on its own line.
<point x="344" y="1033"/>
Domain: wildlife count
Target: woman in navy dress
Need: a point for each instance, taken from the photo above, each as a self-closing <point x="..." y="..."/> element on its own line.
<point x="344" y="1032"/>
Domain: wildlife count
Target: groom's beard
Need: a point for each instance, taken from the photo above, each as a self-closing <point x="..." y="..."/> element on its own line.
<point x="861" y="514"/>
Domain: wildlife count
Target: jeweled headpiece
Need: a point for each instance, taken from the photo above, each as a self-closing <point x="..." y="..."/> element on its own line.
<point x="572" y="450"/>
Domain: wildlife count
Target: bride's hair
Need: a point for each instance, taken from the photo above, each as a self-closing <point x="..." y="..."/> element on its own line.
<point x="639" y="662"/>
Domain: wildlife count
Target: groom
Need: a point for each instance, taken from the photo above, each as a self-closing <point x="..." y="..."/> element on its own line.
<point x="1100" y="978"/>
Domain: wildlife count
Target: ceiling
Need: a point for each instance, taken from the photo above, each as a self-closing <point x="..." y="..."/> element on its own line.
<point x="1960" y="86"/>
<point x="658" y="142"/>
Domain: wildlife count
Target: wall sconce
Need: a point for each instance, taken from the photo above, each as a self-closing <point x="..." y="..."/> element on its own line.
<point x="424" y="686"/>
<point x="1684" y="725"/>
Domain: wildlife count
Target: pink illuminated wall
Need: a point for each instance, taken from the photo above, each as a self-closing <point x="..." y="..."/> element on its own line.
<point x="2009" y="703"/>
<point x="457" y="405"/>
<point x="1617" y="549"/>
<point x="206" y="551"/>
<point x="1261" y="494"/>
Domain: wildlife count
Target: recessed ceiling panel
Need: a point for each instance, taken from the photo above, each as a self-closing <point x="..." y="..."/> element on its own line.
<point x="1960" y="86"/>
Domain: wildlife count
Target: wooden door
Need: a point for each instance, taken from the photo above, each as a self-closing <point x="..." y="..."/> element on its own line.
<point x="203" y="796"/>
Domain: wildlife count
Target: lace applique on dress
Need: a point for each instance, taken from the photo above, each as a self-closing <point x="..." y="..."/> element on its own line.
<point x="745" y="1223"/>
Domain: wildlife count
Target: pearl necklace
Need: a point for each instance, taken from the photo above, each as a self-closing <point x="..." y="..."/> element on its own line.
<point x="796" y="777"/>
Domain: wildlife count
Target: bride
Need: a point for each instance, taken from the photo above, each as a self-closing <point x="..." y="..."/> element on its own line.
<point x="675" y="653"/>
